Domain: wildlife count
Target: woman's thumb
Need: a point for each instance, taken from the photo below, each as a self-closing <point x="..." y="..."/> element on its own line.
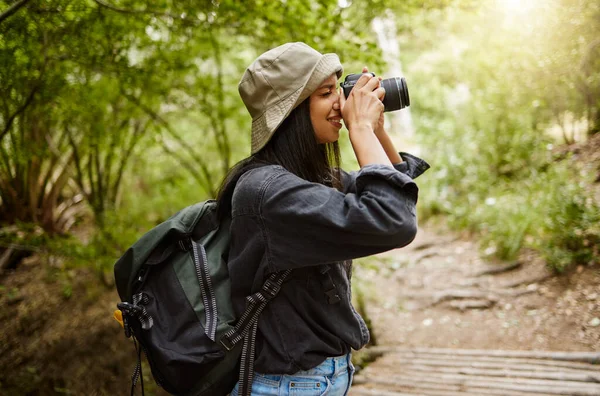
<point x="342" y="98"/>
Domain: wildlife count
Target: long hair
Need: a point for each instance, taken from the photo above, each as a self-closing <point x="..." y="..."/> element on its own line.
<point x="294" y="146"/>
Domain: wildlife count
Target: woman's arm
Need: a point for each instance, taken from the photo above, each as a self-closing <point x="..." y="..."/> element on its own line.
<point x="308" y="223"/>
<point x="382" y="135"/>
<point x="361" y="113"/>
<point x="388" y="145"/>
<point x="367" y="147"/>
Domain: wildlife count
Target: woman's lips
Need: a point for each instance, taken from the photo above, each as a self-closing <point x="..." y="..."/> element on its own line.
<point x="335" y="121"/>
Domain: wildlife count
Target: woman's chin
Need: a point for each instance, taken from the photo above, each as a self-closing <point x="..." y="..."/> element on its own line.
<point x="335" y="135"/>
<point x="333" y="139"/>
<point x="330" y="138"/>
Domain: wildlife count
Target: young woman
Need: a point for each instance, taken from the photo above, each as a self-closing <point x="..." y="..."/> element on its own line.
<point x="293" y="207"/>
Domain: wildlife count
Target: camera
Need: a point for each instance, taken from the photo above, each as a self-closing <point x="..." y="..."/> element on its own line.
<point x="396" y="91"/>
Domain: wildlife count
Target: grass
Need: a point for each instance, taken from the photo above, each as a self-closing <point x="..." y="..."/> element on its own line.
<point x="551" y="211"/>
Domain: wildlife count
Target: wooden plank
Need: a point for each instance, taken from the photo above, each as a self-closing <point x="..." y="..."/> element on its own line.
<point x="361" y="391"/>
<point x="588" y="357"/>
<point x="449" y="382"/>
<point x="490" y="363"/>
<point x="461" y="379"/>
<point x="474" y="391"/>
<point x="407" y="384"/>
<point x="378" y="392"/>
<point x="507" y="372"/>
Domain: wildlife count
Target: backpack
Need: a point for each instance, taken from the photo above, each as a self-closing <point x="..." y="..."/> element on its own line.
<point x="176" y="303"/>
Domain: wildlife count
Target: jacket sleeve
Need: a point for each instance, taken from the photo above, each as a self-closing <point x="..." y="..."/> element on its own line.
<point x="309" y="224"/>
<point x="411" y="166"/>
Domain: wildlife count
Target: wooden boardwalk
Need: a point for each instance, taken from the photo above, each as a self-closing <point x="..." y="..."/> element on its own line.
<point x="453" y="372"/>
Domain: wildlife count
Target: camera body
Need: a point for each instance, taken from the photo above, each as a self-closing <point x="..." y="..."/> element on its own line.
<point x="396" y="91"/>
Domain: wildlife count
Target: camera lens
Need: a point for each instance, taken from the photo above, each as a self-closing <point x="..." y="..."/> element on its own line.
<point x="396" y="93"/>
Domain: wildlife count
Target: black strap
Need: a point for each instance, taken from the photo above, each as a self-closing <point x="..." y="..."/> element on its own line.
<point x="247" y="326"/>
<point x="247" y="362"/>
<point x="208" y="295"/>
<point x="137" y="371"/>
<point x="255" y="303"/>
<point x="140" y="300"/>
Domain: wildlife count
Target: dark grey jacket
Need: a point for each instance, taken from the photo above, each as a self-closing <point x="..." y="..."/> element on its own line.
<point x="281" y="221"/>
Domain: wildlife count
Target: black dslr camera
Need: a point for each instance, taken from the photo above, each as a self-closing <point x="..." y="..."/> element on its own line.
<point x="396" y="91"/>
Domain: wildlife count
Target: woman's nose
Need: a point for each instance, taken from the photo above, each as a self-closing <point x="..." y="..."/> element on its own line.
<point x="336" y="104"/>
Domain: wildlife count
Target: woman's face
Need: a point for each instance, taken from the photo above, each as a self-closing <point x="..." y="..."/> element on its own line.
<point x="325" y="113"/>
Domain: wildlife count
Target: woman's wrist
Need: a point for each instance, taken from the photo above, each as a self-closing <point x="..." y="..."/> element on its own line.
<point x="366" y="145"/>
<point x="360" y="128"/>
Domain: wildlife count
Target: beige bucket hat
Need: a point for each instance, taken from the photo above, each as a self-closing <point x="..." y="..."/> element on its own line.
<point x="278" y="81"/>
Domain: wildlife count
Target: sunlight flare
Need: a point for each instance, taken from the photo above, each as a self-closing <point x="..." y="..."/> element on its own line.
<point x="516" y="6"/>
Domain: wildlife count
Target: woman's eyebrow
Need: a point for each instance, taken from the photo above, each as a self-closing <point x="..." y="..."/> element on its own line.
<point x="328" y="86"/>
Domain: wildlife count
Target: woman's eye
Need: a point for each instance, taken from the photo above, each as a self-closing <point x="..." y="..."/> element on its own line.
<point x="326" y="94"/>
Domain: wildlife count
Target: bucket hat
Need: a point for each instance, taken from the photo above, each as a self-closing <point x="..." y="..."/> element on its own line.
<point x="278" y="81"/>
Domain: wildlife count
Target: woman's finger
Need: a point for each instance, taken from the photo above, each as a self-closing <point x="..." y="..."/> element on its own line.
<point x="342" y="98"/>
<point x="380" y="92"/>
<point x="362" y="81"/>
<point x="364" y="78"/>
<point x="372" y="84"/>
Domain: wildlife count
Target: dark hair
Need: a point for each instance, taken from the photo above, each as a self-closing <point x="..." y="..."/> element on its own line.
<point x="294" y="146"/>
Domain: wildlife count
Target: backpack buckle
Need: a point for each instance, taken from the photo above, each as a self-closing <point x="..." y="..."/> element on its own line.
<point x="226" y="343"/>
<point x="129" y="308"/>
<point x="126" y="326"/>
<point x="126" y="310"/>
<point x="185" y="244"/>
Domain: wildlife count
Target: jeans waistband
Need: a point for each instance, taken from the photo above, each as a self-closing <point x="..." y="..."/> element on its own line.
<point x="330" y="366"/>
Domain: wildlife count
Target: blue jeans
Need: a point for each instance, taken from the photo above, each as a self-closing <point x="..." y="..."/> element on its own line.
<point x="333" y="377"/>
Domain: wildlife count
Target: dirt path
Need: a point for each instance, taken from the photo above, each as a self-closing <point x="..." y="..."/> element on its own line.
<point x="440" y="293"/>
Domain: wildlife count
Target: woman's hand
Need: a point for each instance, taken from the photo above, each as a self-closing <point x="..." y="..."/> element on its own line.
<point x="378" y="147"/>
<point x="364" y="107"/>
<point x="380" y="123"/>
<point x="361" y="112"/>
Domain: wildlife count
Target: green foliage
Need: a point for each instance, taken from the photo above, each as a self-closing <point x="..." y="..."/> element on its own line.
<point x="128" y="111"/>
<point x="125" y="111"/>
<point x="87" y="87"/>
<point x="570" y="230"/>
<point x="495" y="91"/>
<point x="97" y="97"/>
<point x="547" y="212"/>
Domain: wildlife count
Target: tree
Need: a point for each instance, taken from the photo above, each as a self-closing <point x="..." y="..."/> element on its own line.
<point x="90" y="88"/>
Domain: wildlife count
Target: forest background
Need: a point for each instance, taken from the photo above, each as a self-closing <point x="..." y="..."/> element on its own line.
<point x="114" y="115"/>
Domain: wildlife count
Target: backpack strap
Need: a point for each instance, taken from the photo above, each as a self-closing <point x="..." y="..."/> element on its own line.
<point x="247" y="326"/>
<point x="208" y="295"/>
<point x="137" y="371"/>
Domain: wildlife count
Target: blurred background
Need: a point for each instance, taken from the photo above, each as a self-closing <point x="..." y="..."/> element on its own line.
<point x="114" y="114"/>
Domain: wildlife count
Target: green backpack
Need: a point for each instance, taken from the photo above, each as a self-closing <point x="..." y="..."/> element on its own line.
<point x="176" y="302"/>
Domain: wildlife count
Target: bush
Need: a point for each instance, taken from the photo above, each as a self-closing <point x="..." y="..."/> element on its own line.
<point x="550" y="211"/>
<point x="486" y="109"/>
<point x="570" y="230"/>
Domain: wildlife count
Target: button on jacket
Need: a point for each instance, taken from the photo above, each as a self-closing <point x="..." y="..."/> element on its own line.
<point x="280" y="221"/>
